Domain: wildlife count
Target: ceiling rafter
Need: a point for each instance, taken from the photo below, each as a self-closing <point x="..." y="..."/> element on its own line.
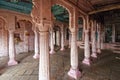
<point x="106" y="8"/>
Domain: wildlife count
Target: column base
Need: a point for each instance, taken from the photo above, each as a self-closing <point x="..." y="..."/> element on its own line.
<point x="99" y="51"/>
<point x="94" y="55"/>
<point x="52" y="52"/>
<point x="74" y="73"/>
<point x="36" y="56"/>
<point x="62" y="49"/>
<point x="12" y="62"/>
<point x="86" y="61"/>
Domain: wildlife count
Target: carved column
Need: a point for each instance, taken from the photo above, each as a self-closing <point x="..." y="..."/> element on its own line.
<point x="51" y="42"/>
<point x="62" y="38"/>
<point x="44" y="56"/>
<point x="12" y="53"/>
<point x="58" y="38"/>
<point x="99" y="39"/>
<point x="94" y="47"/>
<point x="74" y="72"/>
<point x="86" y="59"/>
<point x="41" y="16"/>
<point x="36" y="43"/>
<point x="86" y="49"/>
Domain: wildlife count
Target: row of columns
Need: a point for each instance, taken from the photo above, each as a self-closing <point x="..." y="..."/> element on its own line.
<point x="96" y="43"/>
<point x="74" y="54"/>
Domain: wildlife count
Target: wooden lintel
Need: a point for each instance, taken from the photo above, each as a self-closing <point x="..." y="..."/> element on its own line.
<point x="107" y="8"/>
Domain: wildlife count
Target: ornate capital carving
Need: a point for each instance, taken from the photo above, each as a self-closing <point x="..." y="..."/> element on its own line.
<point x="35" y="14"/>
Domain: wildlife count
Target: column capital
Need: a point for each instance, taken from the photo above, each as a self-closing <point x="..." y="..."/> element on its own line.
<point x="86" y="31"/>
<point x="11" y="31"/>
<point x="73" y="29"/>
<point x="43" y="27"/>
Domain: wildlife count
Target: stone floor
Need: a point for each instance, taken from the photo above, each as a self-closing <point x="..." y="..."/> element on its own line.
<point x="105" y="67"/>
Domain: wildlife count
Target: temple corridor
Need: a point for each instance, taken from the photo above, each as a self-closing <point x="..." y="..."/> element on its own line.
<point x="105" y="67"/>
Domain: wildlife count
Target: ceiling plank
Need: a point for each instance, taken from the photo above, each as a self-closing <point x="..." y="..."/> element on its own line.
<point x="106" y="8"/>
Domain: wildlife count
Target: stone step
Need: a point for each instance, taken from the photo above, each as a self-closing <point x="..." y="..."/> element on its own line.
<point x="116" y="52"/>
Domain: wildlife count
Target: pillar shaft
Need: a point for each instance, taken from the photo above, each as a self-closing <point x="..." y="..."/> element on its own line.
<point x="94" y="54"/>
<point x="12" y="60"/>
<point x="99" y="43"/>
<point x="62" y="38"/>
<point x="58" y="38"/>
<point x="44" y="57"/>
<point x="36" y="55"/>
<point x="74" y="72"/>
<point x="51" y="43"/>
<point x="87" y="49"/>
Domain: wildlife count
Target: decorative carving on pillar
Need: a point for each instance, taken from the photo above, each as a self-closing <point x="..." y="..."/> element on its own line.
<point x="35" y="14"/>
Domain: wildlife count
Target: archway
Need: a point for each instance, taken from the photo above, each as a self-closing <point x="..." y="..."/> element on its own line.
<point x="60" y="19"/>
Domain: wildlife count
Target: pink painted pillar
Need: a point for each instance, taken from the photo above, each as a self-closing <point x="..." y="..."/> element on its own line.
<point x="44" y="56"/>
<point x="86" y="59"/>
<point x="51" y="43"/>
<point x="94" y="47"/>
<point x="62" y="38"/>
<point x="99" y="43"/>
<point x="74" y="72"/>
<point x="36" y="44"/>
<point x="12" y="56"/>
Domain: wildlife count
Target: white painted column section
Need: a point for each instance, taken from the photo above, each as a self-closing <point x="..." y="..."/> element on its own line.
<point x="74" y="72"/>
<point x="44" y="73"/>
<point x="62" y="38"/>
<point x="12" y="54"/>
<point x="94" y="47"/>
<point x="58" y="38"/>
<point x="36" y="44"/>
<point x="99" y="39"/>
<point x="86" y="49"/>
<point x="51" y="43"/>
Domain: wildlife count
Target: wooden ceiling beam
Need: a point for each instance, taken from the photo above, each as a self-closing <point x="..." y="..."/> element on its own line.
<point x="106" y="8"/>
<point x="81" y="11"/>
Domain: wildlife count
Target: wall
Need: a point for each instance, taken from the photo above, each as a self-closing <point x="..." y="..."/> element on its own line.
<point x="24" y="42"/>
